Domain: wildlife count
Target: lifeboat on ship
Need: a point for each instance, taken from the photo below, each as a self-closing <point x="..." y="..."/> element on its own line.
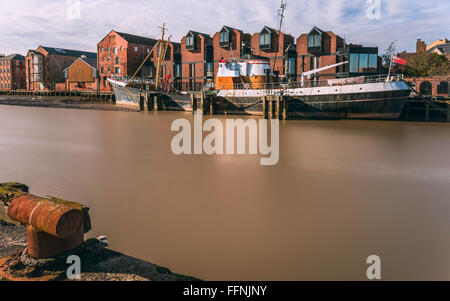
<point x="249" y="72"/>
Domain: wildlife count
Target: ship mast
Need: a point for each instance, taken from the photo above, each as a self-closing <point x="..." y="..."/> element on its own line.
<point x="162" y="51"/>
<point x="281" y="14"/>
<point x="161" y="46"/>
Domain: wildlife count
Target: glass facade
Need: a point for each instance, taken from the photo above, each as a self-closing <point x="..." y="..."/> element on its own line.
<point x="363" y="63"/>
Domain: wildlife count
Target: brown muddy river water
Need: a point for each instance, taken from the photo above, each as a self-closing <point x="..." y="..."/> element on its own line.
<point x="342" y="191"/>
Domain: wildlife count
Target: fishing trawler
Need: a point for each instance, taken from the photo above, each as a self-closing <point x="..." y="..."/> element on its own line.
<point x="132" y="91"/>
<point x="242" y="84"/>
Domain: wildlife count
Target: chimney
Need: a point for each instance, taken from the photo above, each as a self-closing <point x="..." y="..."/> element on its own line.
<point x="421" y="46"/>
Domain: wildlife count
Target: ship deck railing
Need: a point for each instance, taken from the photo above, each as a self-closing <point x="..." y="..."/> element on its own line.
<point x="317" y="83"/>
<point x="136" y="80"/>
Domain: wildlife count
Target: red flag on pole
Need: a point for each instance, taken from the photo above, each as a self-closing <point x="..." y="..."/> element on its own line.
<point x="398" y="60"/>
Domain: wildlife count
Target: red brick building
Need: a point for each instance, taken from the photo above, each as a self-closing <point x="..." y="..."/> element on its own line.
<point x="230" y="43"/>
<point x="45" y="67"/>
<point x="320" y="48"/>
<point x="278" y="47"/>
<point x="197" y="59"/>
<point x="82" y="75"/>
<point x="121" y="54"/>
<point x="12" y="72"/>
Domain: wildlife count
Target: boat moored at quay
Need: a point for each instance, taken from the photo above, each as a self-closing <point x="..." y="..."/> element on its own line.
<point x="243" y="85"/>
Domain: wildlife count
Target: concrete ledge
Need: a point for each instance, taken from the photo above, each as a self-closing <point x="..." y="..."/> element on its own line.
<point x="97" y="263"/>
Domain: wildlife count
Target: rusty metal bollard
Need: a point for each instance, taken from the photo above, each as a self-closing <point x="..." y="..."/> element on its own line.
<point x="54" y="226"/>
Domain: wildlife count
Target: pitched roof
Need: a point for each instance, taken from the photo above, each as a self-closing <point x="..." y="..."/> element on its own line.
<point x="444" y="48"/>
<point x="16" y="57"/>
<point x="228" y="28"/>
<point x="267" y="28"/>
<point x="207" y="36"/>
<point x="90" y="61"/>
<point x="69" y="52"/>
<point x="315" y="28"/>
<point x="131" y="38"/>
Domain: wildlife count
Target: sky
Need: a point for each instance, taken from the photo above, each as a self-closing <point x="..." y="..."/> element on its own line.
<point x="81" y="24"/>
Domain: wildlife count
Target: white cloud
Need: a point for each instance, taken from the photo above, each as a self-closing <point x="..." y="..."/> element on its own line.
<point x="26" y="24"/>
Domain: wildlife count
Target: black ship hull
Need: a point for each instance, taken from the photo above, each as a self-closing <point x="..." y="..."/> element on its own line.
<point x="382" y="105"/>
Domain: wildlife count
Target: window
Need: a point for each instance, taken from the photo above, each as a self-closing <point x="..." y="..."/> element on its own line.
<point x="265" y="41"/>
<point x="354" y="63"/>
<point x="190" y="42"/>
<point x="363" y="62"/>
<point x="117" y="60"/>
<point x="101" y="49"/>
<point x="117" y="70"/>
<point x="121" y="48"/>
<point x="224" y="39"/>
<point x="442" y="88"/>
<point x="373" y="63"/>
<point x="115" y="50"/>
<point x="109" y="59"/>
<point x="291" y="66"/>
<point x="136" y="49"/>
<point x="177" y="70"/>
<point x="314" y="40"/>
<point x="109" y="49"/>
<point x="209" y="69"/>
<point x="148" y="50"/>
<point x="316" y="62"/>
<point x="136" y="58"/>
<point x="103" y="70"/>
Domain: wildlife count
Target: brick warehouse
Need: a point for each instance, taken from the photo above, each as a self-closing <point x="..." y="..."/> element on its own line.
<point x="82" y="75"/>
<point x="278" y="47"/>
<point x="45" y="67"/>
<point x="230" y="43"/>
<point x="121" y="54"/>
<point x="12" y="72"/>
<point x="320" y="48"/>
<point x="197" y="57"/>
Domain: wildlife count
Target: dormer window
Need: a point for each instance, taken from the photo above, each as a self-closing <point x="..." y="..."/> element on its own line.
<point x="224" y="39"/>
<point x="265" y="39"/>
<point x="190" y="41"/>
<point x="315" y="41"/>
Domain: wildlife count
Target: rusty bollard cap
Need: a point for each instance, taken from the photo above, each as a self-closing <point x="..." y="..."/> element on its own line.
<point x="55" y="219"/>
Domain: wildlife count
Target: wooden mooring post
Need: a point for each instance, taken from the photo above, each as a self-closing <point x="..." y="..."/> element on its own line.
<point x="155" y="103"/>
<point x="265" y="107"/>
<point x="193" y="103"/>
<point x="141" y="102"/>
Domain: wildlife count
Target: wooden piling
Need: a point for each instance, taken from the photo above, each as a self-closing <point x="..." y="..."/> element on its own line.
<point x="285" y="108"/>
<point x="277" y="107"/>
<point x="193" y="103"/>
<point x="148" y="103"/>
<point x="265" y="107"/>
<point x="141" y="102"/>
<point x="155" y="103"/>
<point x="211" y="104"/>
